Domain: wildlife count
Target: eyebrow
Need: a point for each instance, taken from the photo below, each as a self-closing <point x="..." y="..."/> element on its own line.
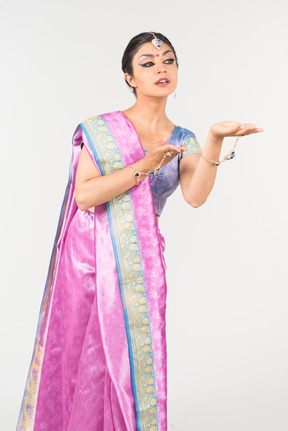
<point x="151" y="55"/>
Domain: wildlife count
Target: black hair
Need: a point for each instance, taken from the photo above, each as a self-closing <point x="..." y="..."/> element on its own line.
<point x="132" y="48"/>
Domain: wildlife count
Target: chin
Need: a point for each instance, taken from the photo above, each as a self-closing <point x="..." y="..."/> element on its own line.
<point x="160" y="92"/>
<point x="163" y="92"/>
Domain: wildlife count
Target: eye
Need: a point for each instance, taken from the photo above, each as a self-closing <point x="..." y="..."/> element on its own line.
<point x="170" y="60"/>
<point x="146" y="64"/>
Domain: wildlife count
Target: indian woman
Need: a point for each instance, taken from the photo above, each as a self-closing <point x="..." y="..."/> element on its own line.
<point x="99" y="360"/>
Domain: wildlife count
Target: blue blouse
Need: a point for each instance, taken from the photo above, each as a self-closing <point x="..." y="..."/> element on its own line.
<point x="166" y="182"/>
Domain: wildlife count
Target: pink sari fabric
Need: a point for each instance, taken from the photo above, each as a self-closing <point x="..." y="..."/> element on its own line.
<point x="83" y="374"/>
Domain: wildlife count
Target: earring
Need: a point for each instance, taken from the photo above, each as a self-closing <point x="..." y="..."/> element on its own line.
<point x="174" y="94"/>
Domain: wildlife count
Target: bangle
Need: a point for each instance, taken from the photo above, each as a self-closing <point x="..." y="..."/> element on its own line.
<point x="228" y="156"/>
<point x="137" y="174"/>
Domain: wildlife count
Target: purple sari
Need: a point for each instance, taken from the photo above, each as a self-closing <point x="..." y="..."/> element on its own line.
<point x="99" y="359"/>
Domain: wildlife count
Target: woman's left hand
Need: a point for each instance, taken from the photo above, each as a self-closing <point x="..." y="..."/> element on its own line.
<point x="232" y="128"/>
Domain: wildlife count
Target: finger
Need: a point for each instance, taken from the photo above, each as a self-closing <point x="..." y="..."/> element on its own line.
<point x="173" y="148"/>
<point x="250" y="128"/>
<point x="249" y="132"/>
<point x="255" y="129"/>
<point x="247" y="125"/>
<point x="170" y="147"/>
<point x="163" y="140"/>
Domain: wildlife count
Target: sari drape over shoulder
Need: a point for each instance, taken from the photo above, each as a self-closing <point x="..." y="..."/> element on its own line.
<point x="99" y="359"/>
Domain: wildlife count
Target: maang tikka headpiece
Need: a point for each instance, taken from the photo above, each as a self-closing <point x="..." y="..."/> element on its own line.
<point x="156" y="42"/>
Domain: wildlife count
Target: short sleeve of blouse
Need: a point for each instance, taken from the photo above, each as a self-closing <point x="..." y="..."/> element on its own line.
<point x="190" y="141"/>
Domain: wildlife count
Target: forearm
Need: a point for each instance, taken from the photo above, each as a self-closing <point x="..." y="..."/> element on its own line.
<point x="205" y="173"/>
<point x="101" y="189"/>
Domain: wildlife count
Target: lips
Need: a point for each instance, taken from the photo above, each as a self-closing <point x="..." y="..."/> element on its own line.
<point x="162" y="80"/>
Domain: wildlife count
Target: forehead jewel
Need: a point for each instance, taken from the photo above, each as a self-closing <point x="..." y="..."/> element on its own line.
<point x="156" y="42"/>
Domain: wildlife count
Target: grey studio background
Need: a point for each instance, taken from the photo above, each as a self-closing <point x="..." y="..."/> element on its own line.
<point x="227" y="273"/>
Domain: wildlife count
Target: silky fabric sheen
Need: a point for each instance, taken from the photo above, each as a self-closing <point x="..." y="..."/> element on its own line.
<point x="167" y="180"/>
<point x="99" y="359"/>
<point x="90" y="399"/>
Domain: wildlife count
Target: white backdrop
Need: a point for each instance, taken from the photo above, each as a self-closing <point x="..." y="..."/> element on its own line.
<point x="227" y="278"/>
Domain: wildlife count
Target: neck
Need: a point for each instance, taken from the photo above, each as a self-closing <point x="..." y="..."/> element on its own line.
<point x="149" y="111"/>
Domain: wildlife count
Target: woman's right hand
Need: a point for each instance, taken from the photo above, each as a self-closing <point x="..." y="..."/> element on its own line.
<point x="156" y="152"/>
<point x="92" y="188"/>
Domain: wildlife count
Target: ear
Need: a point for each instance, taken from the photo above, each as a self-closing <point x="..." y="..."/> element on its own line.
<point x="129" y="79"/>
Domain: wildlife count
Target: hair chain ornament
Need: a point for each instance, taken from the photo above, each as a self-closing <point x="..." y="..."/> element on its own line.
<point x="156" y="42"/>
<point x="228" y="156"/>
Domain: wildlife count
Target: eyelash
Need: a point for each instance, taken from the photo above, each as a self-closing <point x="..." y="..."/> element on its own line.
<point x="150" y="62"/>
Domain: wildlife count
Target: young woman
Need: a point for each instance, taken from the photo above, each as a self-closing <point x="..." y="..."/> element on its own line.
<point x="99" y="360"/>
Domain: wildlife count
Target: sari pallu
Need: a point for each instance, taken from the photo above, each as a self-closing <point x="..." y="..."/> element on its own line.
<point x="118" y="369"/>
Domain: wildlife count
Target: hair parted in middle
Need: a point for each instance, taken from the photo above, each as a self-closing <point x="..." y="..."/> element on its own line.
<point x="132" y="48"/>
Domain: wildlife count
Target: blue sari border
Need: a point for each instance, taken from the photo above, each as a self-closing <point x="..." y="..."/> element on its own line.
<point x="131" y="277"/>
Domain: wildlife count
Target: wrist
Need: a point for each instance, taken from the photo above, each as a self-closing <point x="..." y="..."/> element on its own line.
<point x="140" y="170"/>
<point x="214" y="138"/>
<point x="142" y="165"/>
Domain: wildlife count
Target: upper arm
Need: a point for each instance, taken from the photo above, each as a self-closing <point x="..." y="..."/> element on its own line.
<point x="188" y="162"/>
<point x="86" y="170"/>
<point x="192" y="144"/>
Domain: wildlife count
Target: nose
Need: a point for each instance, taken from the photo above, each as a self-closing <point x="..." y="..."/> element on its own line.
<point x="161" y="69"/>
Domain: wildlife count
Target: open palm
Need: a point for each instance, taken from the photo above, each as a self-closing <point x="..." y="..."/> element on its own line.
<point x="233" y="128"/>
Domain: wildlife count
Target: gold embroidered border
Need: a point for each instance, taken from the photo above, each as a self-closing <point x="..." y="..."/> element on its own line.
<point x="28" y="415"/>
<point x="132" y="278"/>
